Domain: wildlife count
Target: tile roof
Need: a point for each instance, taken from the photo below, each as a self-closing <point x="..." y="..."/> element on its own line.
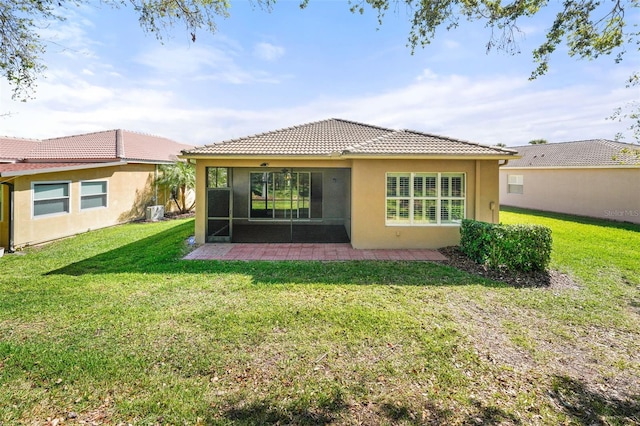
<point x="412" y="142"/>
<point x="19" y="169"/>
<point x="12" y="149"/>
<point x="110" y="146"/>
<point x="586" y="153"/>
<point x="138" y="146"/>
<point x="342" y="137"/>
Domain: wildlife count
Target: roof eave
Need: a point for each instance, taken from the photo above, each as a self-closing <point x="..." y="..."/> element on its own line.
<point x="15" y="173"/>
<point x="350" y="155"/>
<point x="260" y="156"/>
<point x="610" y="166"/>
<point x="432" y="156"/>
<point x="138" y="161"/>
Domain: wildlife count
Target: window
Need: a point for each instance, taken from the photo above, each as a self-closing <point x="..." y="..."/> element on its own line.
<point x="217" y="177"/>
<point x="281" y="195"/>
<point x="515" y="184"/>
<point x="425" y="198"/>
<point x="50" y="198"/>
<point x="93" y="194"/>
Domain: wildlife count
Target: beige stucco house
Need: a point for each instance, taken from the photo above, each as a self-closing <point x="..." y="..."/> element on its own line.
<point x="59" y="187"/>
<point x="384" y="188"/>
<point x="593" y="178"/>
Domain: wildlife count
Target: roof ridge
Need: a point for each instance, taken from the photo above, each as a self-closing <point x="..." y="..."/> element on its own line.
<point x="359" y="124"/>
<point x="15" y="138"/>
<point x="99" y="132"/>
<point x="464" y="141"/>
<point x="149" y="134"/>
<point x="596" y="140"/>
<point x="259" y="134"/>
<point x="120" y="152"/>
<point x="616" y="144"/>
<point x="370" y="141"/>
<point x="80" y="134"/>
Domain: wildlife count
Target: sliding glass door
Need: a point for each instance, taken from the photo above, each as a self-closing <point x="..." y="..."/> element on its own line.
<point x="282" y="195"/>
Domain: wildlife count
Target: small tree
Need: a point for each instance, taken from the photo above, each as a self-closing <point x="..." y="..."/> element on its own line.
<point x="179" y="178"/>
<point x="537" y="142"/>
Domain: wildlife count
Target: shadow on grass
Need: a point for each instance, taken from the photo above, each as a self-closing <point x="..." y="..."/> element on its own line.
<point x="587" y="407"/>
<point x="162" y="253"/>
<point x="432" y="415"/>
<point x="572" y="218"/>
<point x="331" y="411"/>
<point x="265" y="413"/>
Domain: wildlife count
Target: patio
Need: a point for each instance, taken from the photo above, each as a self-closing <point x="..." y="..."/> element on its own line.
<point x="307" y="251"/>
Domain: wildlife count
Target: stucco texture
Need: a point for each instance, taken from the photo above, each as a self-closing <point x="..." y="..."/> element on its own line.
<point x="362" y="197"/>
<point x="130" y="191"/>
<point x="606" y="193"/>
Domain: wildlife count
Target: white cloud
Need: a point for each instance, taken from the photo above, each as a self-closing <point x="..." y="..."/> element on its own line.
<point x="491" y="109"/>
<point x="268" y="52"/>
<point x="201" y="63"/>
<point x="451" y="44"/>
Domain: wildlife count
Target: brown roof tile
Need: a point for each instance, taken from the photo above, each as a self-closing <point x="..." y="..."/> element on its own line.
<point x="100" y="145"/>
<point x="16" y="148"/>
<point x="110" y="144"/>
<point x="91" y="148"/>
<point x="12" y="168"/>
<point x="322" y="138"/>
<point x="138" y="146"/>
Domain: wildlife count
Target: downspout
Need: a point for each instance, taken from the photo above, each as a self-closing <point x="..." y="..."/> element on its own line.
<point x="477" y="192"/>
<point x="155" y="185"/>
<point x="291" y="203"/>
<point x="11" y="248"/>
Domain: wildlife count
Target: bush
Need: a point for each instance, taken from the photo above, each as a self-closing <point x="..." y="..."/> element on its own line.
<point x="516" y="247"/>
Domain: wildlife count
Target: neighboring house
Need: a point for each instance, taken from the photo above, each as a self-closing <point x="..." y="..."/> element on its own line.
<point x="588" y="178"/>
<point x="55" y="188"/>
<point x="387" y="188"/>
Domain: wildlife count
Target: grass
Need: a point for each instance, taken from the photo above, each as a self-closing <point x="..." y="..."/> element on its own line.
<point x="112" y="327"/>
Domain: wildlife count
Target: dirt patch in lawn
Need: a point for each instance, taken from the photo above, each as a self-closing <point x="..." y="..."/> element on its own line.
<point x="550" y="278"/>
<point x="590" y="372"/>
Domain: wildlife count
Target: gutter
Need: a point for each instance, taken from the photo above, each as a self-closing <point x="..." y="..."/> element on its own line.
<point x="81" y="166"/>
<point x="10" y="185"/>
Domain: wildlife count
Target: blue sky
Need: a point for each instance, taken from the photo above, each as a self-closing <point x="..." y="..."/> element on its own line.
<point x="267" y="70"/>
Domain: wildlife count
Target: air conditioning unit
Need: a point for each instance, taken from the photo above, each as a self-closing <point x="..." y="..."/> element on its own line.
<point x="155" y="213"/>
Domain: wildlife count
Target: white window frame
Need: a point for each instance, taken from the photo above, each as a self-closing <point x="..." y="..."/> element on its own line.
<point x="436" y="199"/>
<point x="33" y="198"/>
<point x="514" y="182"/>
<point x="105" y="194"/>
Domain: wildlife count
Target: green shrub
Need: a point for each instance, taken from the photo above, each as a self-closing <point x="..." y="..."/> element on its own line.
<point x="515" y="247"/>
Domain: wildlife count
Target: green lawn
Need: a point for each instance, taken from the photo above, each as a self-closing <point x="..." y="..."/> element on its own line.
<point x="111" y="327"/>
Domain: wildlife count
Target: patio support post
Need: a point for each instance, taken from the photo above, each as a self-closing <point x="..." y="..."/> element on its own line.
<point x="291" y="205"/>
<point x="11" y="248"/>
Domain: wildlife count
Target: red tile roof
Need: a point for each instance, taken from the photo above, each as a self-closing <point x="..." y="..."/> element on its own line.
<point x="18" y="169"/>
<point x="73" y="151"/>
<point x="16" y="148"/>
<point x="110" y="144"/>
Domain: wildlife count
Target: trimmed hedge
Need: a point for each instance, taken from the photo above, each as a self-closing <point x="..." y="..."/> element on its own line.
<point x="516" y="247"/>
